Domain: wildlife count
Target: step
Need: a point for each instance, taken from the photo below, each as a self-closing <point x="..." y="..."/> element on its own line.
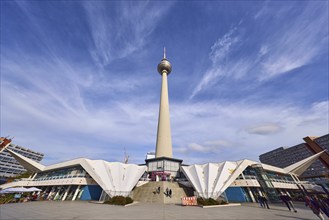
<point x="146" y="192"/>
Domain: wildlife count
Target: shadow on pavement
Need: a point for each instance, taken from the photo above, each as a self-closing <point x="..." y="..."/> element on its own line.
<point x="271" y="208"/>
<point x="288" y="217"/>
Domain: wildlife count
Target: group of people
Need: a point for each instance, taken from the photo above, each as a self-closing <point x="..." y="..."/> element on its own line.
<point x="168" y="192"/>
<point x="21" y="197"/>
<point x="318" y="206"/>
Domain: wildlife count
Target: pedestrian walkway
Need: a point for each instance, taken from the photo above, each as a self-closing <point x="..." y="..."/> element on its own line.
<point x="86" y="210"/>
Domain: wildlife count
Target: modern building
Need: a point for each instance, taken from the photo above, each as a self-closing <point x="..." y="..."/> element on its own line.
<point x="79" y="178"/>
<point x="318" y="144"/>
<point x="84" y="179"/>
<point x="285" y="156"/>
<point x="244" y="180"/>
<point x="87" y="179"/>
<point x="9" y="166"/>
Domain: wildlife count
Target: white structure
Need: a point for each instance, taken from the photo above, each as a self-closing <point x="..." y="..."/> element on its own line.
<point x="113" y="178"/>
<point x="163" y="143"/>
<point x="9" y="167"/>
<point x="210" y="180"/>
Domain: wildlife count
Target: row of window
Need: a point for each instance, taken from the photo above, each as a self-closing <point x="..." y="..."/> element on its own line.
<point x="71" y="172"/>
<point x="82" y="175"/>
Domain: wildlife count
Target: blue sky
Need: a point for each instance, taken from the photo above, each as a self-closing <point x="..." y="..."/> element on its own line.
<point x="79" y="78"/>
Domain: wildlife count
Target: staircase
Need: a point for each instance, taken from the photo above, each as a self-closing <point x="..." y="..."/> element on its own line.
<point x="147" y="192"/>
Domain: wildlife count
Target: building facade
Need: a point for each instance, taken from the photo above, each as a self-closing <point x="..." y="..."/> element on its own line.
<point x="285" y="156"/>
<point x="85" y="179"/>
<point x="9" y="166"/>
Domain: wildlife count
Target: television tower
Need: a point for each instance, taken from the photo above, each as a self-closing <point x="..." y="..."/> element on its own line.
<point x="163" y="144"/>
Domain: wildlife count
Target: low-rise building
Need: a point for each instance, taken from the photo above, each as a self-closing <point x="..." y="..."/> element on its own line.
<point x="85" y="179"/>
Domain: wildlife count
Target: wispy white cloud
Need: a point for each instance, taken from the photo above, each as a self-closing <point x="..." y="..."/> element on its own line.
<point x="219" y="52"/>
<point x="206" y="127"/>
<point x="120" y="35"/>
<point x="263" y="50"/>
<point x="230" y="130"/>
<point x="297" y="43"/>
<point x="300" y="41"/>
<point x="63" y="108"/>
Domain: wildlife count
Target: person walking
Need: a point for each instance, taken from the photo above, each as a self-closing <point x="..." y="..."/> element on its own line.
<point x="288" y="201"/>
<point x="260" y="201"/>
<point x="324" y="206"/>
<point x="265" y="202"/>
<point x="170" y="193"/>
<point x="314" y="206"/>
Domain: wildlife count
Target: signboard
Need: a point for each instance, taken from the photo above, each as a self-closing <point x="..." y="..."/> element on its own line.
<point x="189" y="201"/>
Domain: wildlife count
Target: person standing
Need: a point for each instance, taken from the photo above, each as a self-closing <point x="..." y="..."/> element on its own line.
<point x="167" y="192"/>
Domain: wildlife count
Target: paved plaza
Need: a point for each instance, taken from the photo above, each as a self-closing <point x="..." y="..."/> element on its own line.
<point x="86" y="210"/>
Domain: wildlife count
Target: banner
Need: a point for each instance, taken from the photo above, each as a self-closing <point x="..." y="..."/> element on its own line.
<point x="189" y="201"/>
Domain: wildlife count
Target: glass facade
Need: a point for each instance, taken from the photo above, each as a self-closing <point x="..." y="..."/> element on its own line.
<point x="285" y="156"/>
<point x="165" y="168"/>
<point x="68" y="172"/>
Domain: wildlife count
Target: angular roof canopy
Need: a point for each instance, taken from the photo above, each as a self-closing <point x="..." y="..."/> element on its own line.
<point x="27" y="163"/>
<point x="113" y="177"/>
<point x="299" y="167"/>
<point x="210" y="180"/>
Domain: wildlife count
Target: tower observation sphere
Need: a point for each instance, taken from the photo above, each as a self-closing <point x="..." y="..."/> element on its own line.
<point x="164" y="64"/>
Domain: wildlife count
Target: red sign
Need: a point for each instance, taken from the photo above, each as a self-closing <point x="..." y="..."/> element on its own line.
<point x="189" y="201"/>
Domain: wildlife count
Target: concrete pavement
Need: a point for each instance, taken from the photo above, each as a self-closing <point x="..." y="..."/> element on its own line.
<point x="85" y="210"/>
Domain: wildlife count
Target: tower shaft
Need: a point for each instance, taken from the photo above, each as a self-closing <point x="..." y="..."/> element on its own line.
<point x="163" y="144"/>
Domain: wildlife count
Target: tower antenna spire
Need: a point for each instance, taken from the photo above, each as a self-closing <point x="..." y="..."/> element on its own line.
<point x="164" y="52"/>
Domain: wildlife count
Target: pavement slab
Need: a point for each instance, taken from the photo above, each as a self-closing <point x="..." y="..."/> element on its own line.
<point x="45" y="210"/>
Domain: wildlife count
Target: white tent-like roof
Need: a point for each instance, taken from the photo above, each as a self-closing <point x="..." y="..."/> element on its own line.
<point x="210" y="180"/>
<point x="27" y="163"/>
<point x="114" y="178"/>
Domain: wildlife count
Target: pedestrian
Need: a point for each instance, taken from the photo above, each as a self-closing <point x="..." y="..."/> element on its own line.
<point x="288" y="201"/>
<point x="265" y="202"/>
<point x="324" y="206"/>
<point x="167" y="192"/>
<point x="170" y="193"/>
<point x="260" y="200"/>
<point x="158" y="191"/>
<point x="314" y="206"/>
